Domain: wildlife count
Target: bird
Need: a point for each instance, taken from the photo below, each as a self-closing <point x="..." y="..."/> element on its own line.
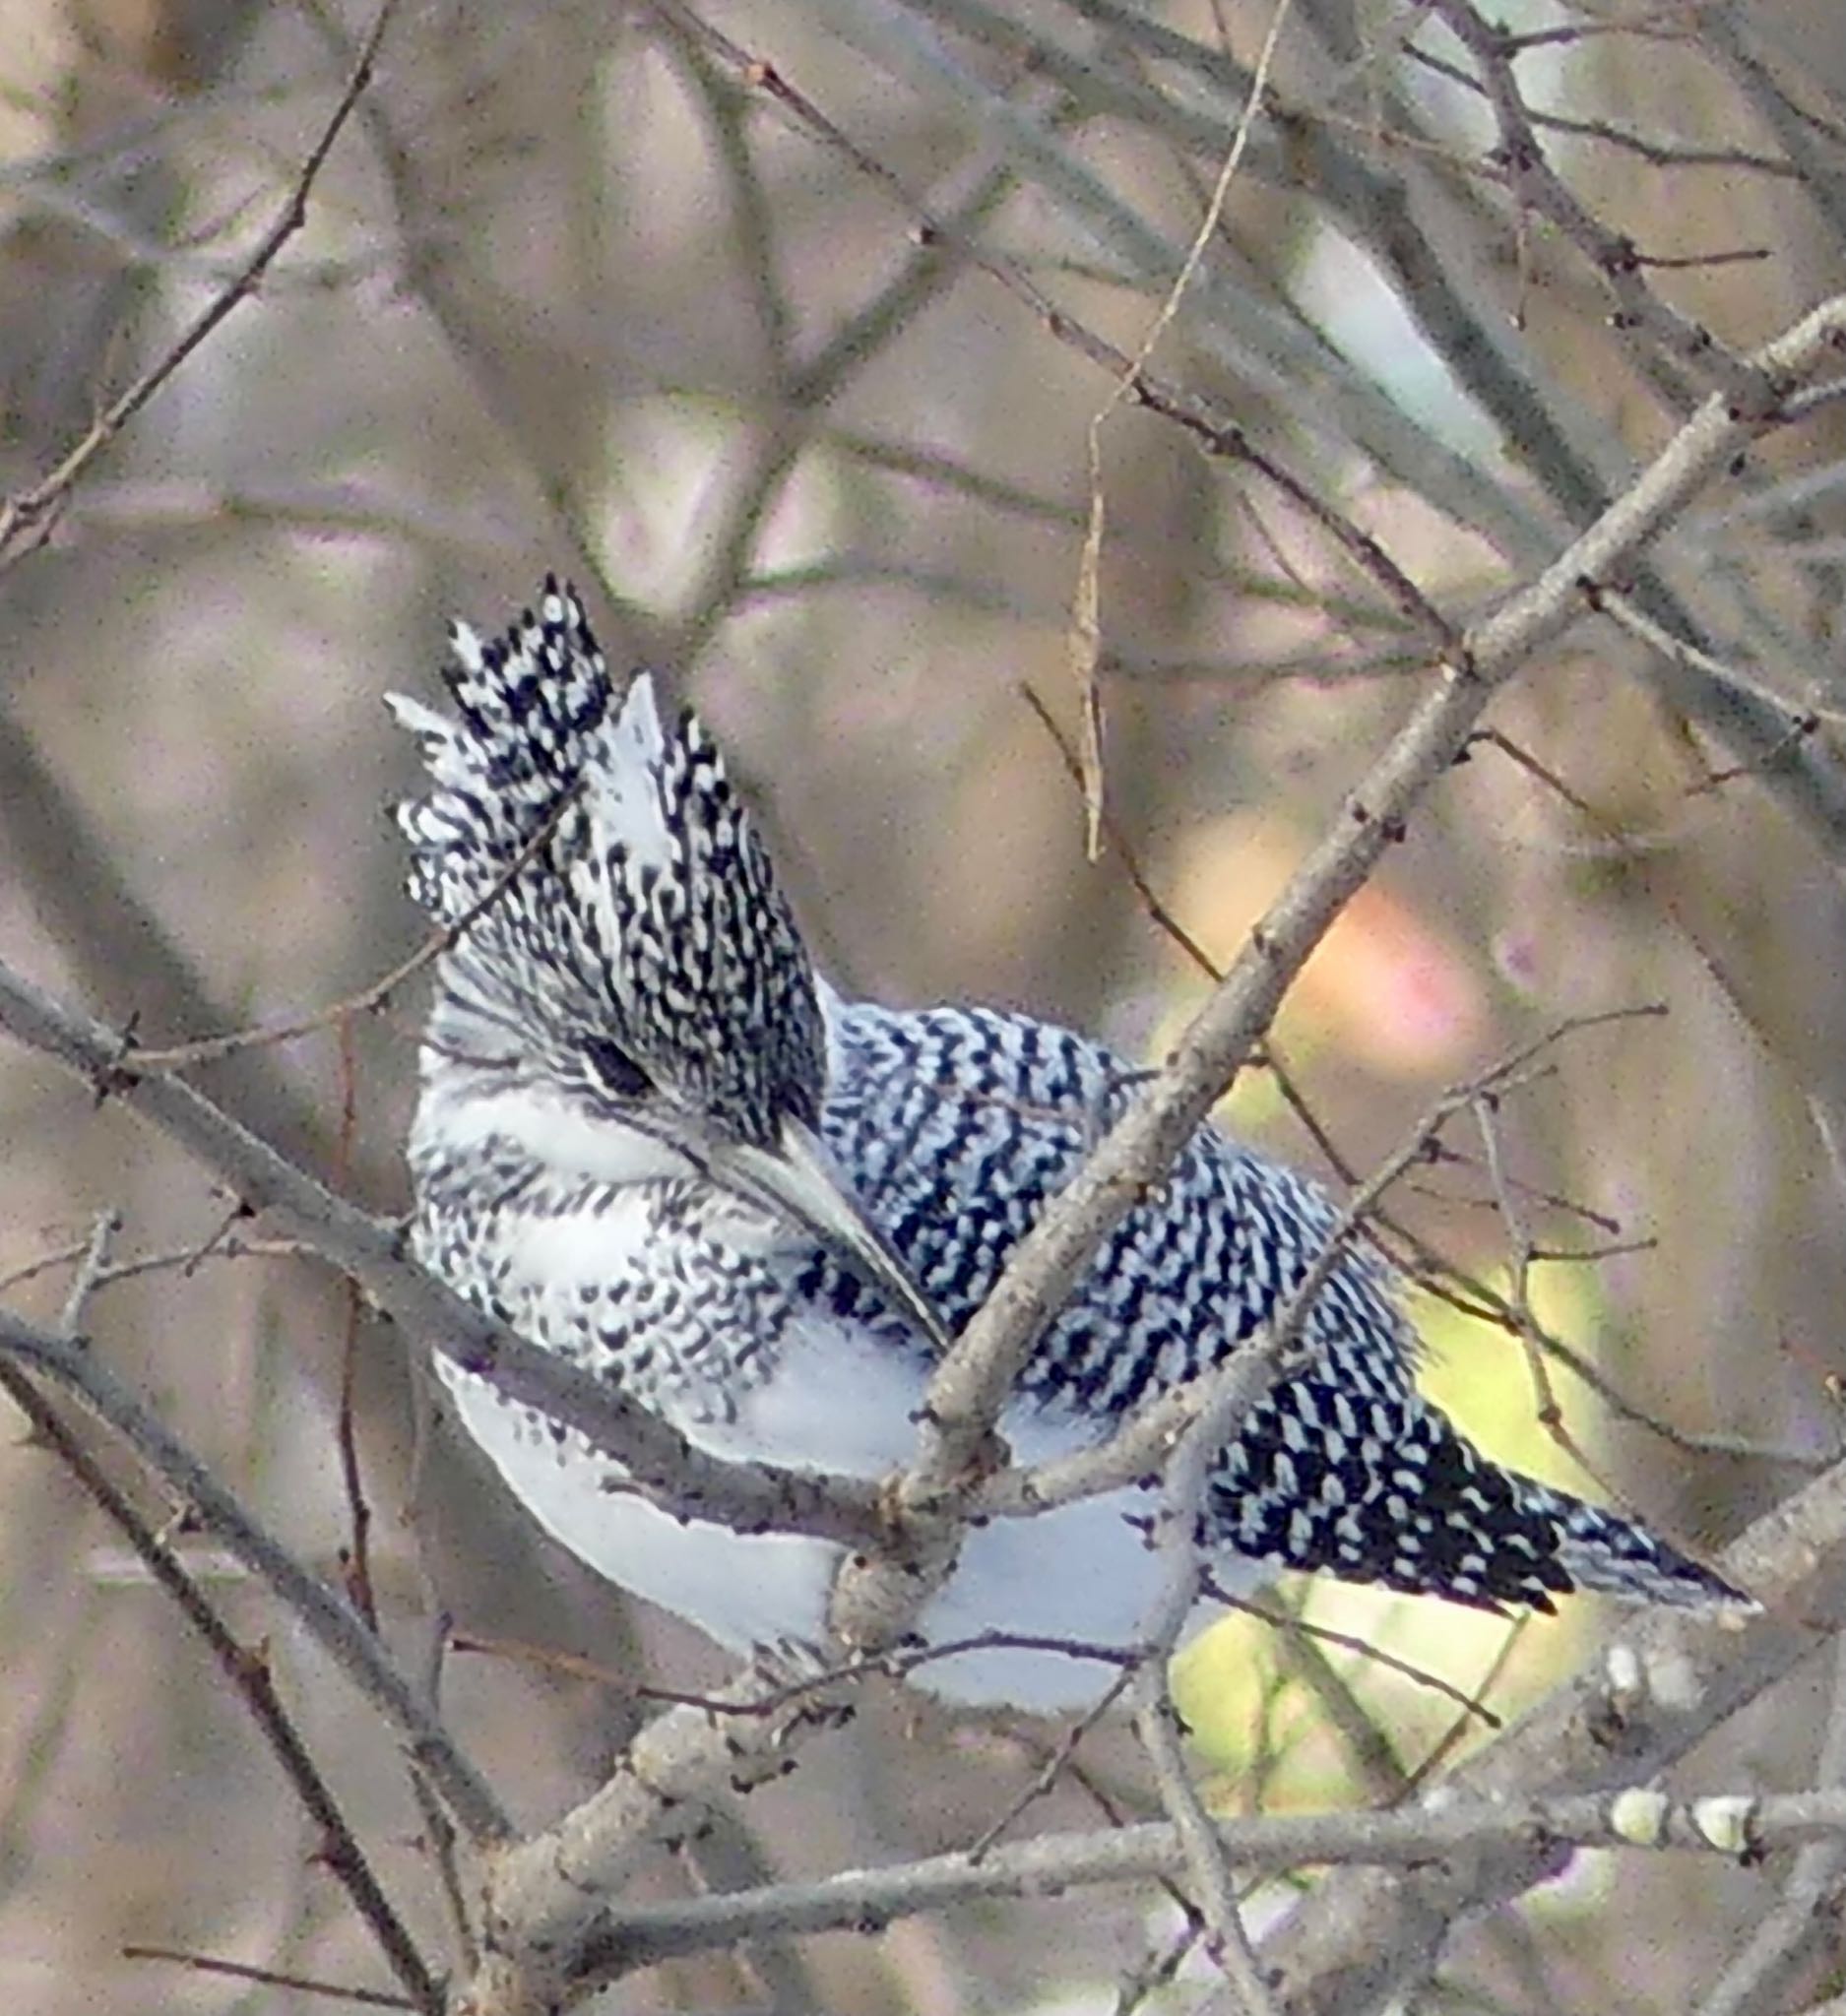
<point x="653" y="1140"/>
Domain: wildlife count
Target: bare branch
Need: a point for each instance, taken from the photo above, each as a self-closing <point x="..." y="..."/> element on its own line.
<point x="335" y="1625"/>
<point x="27" y="516"/>
<point x="249" y="1674"/>
<point x="1440" y="1829"/>
<point x="371" y="1251"/>
<point x="236" y="1970"/>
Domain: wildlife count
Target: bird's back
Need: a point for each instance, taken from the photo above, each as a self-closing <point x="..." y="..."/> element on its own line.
<point x="958" y="1125"/>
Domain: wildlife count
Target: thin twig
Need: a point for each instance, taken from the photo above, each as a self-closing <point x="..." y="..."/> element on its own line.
<point x="27" y="517"/>
<point x="1188" y="1480"/>
<point x="91" y="1266"/>
<point x="249" y="1674"/>
<point x="1084" y="639"/>
<point x="265" y="1977"/>
<point x="1537" y="186"/>
<point x="1206" y="1865"/>
<point x="1052" y="1765"/>
<point x="327" y="1618"/>
<point x="338" y="1014"/>
<point x="1548" y="1412"/>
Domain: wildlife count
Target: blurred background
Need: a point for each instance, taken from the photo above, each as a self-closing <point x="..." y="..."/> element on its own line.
<point x="573" y="293"/>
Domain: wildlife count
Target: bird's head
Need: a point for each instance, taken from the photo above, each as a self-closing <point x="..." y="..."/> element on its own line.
<point x="625" y="992"/>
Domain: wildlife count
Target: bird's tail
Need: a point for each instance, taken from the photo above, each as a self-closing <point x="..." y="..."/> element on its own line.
<point x="1392" y="1494"/>
<point x="1600" y="1550"/>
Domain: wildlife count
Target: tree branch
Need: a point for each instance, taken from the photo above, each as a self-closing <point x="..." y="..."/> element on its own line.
<point x="335" y="1625"/>
<point x="25" y="517"/>
<point x="751" y="1497"/>
<point x="1544" y="1828"/>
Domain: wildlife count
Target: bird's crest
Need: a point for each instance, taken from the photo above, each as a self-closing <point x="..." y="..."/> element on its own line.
<point x="532" y="707"/>
<point x="611" y="881"/>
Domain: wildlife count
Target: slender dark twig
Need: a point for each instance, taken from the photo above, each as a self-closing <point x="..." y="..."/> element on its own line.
<point x="27" y="517"/>
<point x="335" y="1626"/>
<point x="249" y="1672"/>
<point x="265" y="1977"/>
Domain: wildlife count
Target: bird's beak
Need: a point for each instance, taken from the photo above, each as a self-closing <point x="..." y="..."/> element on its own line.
<point x="795" y="1180"/>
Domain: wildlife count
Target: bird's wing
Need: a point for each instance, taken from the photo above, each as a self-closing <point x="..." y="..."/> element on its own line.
<point x="956" y="1127"/>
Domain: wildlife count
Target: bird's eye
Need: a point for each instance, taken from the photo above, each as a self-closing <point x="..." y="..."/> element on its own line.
<point x="614" y="1067"/>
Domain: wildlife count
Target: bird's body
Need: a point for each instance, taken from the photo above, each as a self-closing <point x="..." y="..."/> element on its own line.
<point x="653" y="1143"/>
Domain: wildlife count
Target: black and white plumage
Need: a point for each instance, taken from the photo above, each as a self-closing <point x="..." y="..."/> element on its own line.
<point x="651" y="1140"/>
